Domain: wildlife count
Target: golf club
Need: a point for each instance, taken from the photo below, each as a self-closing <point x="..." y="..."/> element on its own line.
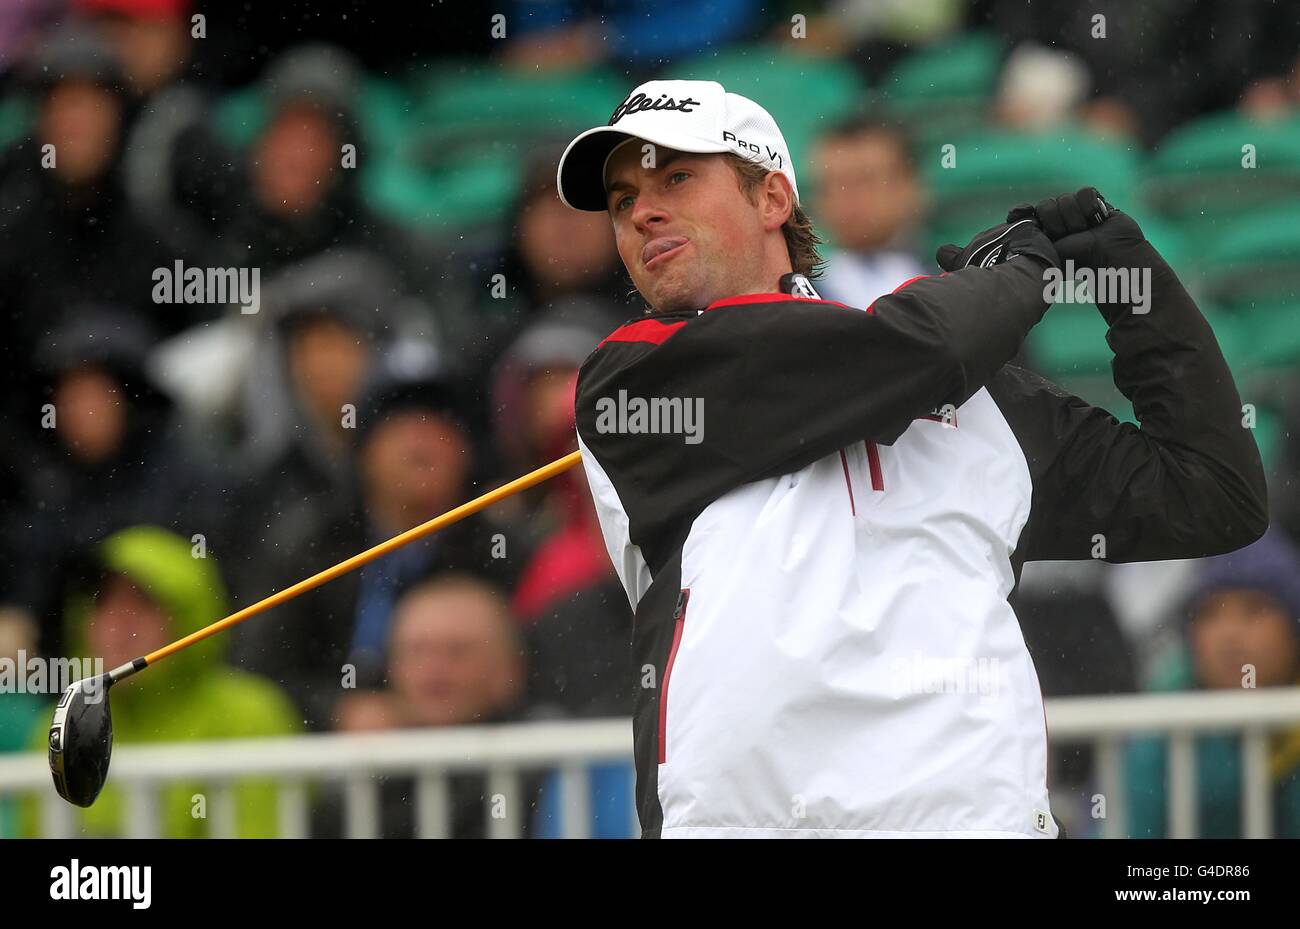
<point x="81" y="733"/>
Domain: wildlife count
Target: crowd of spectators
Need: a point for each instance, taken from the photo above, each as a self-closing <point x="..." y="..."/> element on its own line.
<point x="163" y="461"/>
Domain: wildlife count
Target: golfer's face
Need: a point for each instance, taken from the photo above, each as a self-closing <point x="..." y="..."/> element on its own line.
<point x="684" y="229"/>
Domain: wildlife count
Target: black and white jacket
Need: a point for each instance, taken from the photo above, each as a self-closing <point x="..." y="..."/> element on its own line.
<point x="820" y="575"/>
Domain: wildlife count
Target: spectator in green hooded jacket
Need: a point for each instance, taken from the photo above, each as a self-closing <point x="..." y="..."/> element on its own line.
<point x="154" y="588"/>
<point x="1243" y="632"/>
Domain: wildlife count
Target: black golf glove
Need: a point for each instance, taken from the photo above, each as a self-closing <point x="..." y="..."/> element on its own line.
<point x="1085" y="228"/>
<point x="1019" y="235"/>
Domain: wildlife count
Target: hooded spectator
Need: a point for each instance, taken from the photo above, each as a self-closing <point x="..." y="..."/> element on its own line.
<point x="111" y="454"/>
<point x="532" y="401"/>
<point x="150" y="37"/>
<point x="178" y="176"/>
<point x="150" y="590"/>
<point x="1242" y="632"/>
<point x="414" y="461"/>
<point x="327" y="318"/>
<point x="325" y="322"/>
<point x="553" y="253"/>
<point x="69" y="234"/>
<point x="303" y="199"/>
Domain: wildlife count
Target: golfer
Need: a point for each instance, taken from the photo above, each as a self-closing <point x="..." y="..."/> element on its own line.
<point x="818" y="512"/>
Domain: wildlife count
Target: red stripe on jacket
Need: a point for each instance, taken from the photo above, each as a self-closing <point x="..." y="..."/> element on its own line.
<point x="645" y="330"/>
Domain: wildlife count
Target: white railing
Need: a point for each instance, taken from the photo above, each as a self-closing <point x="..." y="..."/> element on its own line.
<point x="504" y="752"/>
<point x="1107" y="722"/>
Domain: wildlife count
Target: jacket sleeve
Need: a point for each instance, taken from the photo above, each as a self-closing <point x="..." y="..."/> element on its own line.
<point x="1187" y="484"/>
<point x="780" y="382"/>
<point x="785" y="383"/>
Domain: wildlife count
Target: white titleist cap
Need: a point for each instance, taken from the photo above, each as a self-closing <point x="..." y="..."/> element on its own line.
<point x="689" y="116"/>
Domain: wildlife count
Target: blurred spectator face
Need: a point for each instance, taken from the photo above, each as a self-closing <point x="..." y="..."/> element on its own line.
<point x="90" y="413"/>
<point x="415" y="464"/>
<point x="551" y="394"/>
<point x="327" y="360"/>
<point x="125" y="623"/>
<point x="565" y="249"/>
<point x="867" y="190"/>
<point x="152" y="48"/>
<point x="1244" y="627"/>
<point x="295" y="160"/>
<point x="453" y="657"/>
<point x="82" y="121"/>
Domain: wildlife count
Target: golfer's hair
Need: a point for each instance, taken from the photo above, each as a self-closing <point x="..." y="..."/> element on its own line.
<point x="801" y="240"/>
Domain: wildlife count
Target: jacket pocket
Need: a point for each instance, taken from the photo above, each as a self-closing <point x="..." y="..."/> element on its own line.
<point x="679" y="622"/>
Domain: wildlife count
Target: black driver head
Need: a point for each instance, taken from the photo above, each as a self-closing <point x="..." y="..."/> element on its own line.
<point x="81" y="740"/>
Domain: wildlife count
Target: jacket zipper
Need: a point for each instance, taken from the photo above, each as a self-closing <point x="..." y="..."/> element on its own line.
<point x="679" y="620"/>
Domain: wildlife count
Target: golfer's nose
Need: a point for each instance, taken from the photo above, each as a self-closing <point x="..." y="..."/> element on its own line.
<point x="648" y="212"/>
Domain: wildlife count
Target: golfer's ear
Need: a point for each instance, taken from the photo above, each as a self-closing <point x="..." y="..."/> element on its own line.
<point x="777" y="200"/>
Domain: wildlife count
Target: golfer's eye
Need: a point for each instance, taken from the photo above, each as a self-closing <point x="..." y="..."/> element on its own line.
<point x="622" y="203"/>
<point x="673" y="178"/>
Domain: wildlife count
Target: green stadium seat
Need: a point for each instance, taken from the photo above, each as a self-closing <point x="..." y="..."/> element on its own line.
<point x="1233" y="335"/>
<point x="1070" y="342"/>
<point x="1256" y="260"/>
<point x="1266" y="336"/>
<point x="1168" y="239"/>
<point x="1196" y="178"/>
<point x="463" y="109"/>
<point x="455" y="161"/>
<point x="465" y="196"/>
<point x="1269" y="435"/>
<point x="385" y="112"/>
<point x="388" y="113"/>
<point x="411" y="170"/>
<point x="942" y="91"/>
<point x="805" y="95"/>
<point x="15" y="120"/>
<point x="994" y="170"/>
<point x="239" y="116"/>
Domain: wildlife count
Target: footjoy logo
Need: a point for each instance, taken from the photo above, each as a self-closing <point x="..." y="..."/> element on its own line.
<point x="103" y="882"/>
<point x="638" y="103"/>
